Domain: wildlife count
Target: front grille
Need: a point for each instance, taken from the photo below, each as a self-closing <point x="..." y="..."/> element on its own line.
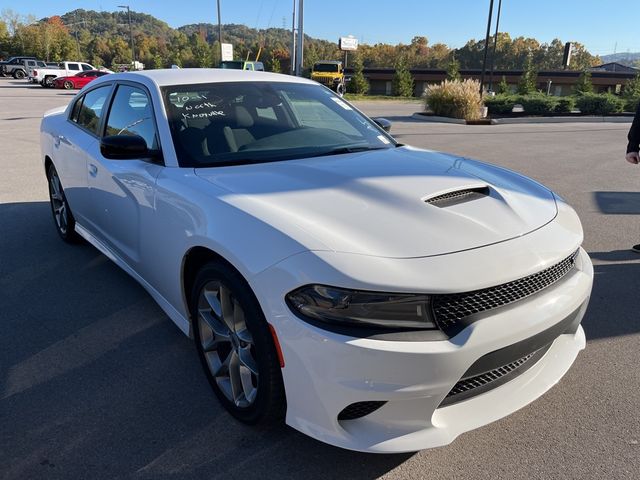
<point x="451" y="310"/>
<point x="477" y="384"/>
<point x="458" y="196"/>
<point x="324" y="80"/>
<point x="359" y="410"/>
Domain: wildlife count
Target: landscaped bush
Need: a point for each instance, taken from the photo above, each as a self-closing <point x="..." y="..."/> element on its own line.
<point x="599" y="104"/>
<point x="456" y="99"/>
<point x="538" y="104"/>
<point x="565" y="105"/>
<point x="631" y="104"/>
<point x="501" y="104"/>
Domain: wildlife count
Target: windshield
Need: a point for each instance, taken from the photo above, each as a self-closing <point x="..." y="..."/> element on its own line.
<point x="325" y="67"/>
<point x="249" y="122"/>
<point x="233" y="64"/>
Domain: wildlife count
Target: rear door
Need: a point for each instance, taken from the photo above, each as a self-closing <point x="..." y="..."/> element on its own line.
<point x="123" y="191"/>
<point x="77" y="143"/>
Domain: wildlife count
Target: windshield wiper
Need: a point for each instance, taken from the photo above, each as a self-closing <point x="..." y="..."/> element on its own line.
<point x="342" y="150"/>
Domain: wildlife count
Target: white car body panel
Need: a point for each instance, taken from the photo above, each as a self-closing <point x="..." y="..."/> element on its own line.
<point x="355" y="221"/>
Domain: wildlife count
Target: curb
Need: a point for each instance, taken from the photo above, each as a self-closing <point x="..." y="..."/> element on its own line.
<point x="436" y="119"/>
<point x="527" y="120"/>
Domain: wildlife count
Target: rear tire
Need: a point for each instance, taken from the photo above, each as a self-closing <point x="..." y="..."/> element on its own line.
<point x="68" y="85"/>
<point x="48" y="82"/>
<point x="19" y="74"/>
<point x="235" y="346"/>
<point x="62" y="216"/>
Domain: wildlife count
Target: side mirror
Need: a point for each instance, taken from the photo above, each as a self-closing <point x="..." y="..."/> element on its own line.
<point x="383" y="123"/>
<point x="125" y="147"/>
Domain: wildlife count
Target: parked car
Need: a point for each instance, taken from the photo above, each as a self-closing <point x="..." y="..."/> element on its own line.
<point x="383" y="298"/>
<point x="78" y="80"/>
<point x="14" y="67"/>
<point x="46" y="76"/>
<point x="242" y="65"/>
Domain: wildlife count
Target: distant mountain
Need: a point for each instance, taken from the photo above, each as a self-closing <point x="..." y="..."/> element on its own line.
<point x="624" y="58"/>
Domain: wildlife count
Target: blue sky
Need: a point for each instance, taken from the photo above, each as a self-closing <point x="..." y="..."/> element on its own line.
<point x="598" y="24"/>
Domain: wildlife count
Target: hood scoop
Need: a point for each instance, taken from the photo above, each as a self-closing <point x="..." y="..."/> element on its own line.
<point x="455" y="197"/>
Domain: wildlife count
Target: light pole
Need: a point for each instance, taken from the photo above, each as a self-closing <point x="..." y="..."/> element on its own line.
<point x="495" y="46"/>
<point x="293" y="40"/>
<point x="300" y="45"/>
<point x="133" y="55"/>
<point x="220" y="31"/>
<point x="486" y="47"/>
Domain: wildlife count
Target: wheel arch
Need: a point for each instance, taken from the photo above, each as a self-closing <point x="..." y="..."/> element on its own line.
<point x="192" y="261"/>
<point x="47" y="163"/>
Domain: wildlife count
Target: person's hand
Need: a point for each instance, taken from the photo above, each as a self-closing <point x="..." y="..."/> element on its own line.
<point x="633" y="157"/>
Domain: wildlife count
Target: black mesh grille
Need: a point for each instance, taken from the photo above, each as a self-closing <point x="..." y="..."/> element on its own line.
<point x="458" y="196"/>
<point x="486" y="378"/>
<point x="450" y="309"/>
<point x="359" y="410"/>
<point x="477" y="384"/>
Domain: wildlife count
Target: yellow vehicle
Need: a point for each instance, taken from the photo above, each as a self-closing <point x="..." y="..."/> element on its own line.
<point x="330" y="74"/>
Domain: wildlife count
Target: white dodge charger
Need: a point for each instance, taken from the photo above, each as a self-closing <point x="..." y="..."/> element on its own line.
<point x="380" y="297"/>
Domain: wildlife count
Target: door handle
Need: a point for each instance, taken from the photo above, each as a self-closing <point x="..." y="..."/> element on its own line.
<point x="93" y="170"/>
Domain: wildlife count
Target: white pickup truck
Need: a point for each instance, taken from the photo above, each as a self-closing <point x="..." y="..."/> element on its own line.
<point x="45" y="76"/>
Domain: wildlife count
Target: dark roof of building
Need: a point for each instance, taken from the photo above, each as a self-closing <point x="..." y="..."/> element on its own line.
<point x="614" y="67"/>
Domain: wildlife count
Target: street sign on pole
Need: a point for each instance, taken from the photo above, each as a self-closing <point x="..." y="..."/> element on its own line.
<point x="227" y="52"/>
<point x="348" y="43"/>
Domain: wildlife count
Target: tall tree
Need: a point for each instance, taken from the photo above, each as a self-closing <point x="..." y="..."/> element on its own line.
<point x="402" y="80"/>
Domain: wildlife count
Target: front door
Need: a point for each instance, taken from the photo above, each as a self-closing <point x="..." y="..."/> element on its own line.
<point x="123" y="191"/>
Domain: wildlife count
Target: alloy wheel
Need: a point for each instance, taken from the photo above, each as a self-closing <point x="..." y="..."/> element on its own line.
<point x="58" y="202"/>
<point x="227" y="344"/>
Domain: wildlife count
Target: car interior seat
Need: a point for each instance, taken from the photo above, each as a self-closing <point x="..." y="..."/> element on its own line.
<point x="239" y="135"/>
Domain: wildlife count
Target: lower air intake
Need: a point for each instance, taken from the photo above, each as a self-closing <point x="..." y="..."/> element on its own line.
<point x="359" y="410"/>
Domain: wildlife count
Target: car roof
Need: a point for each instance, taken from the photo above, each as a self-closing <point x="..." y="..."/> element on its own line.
<point x="187" y="76"/>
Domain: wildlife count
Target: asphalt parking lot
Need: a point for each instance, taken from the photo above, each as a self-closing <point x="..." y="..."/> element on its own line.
<point x="96" y="382"/>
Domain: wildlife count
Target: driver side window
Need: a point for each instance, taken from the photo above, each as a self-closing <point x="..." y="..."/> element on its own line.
<point x="131" y="114"/>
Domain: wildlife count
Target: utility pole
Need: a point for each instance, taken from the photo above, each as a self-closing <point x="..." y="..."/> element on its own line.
<point x="133" y="51"/>
<point x="495" y="46"/>
<point x="220" y="31"/>
<point x="293" y="40"/>
<point x="486" y="47"/>
<point x="300" y="46"/>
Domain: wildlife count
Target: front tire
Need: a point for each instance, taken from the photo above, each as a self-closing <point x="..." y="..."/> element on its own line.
<point x="19" y="74"/>
<point x="48" y="82"/>
<point x="62" y="216"/>
<point x="235" y="346"/>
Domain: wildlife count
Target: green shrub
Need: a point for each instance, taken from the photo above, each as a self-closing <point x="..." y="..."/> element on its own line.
<point x="538" y="104"/>
<point x="599" y="104"/>
<point x="565" y="105"/>
<point x="402" y="80"/>
<point x="456" y="99"/>
<point x="501" y="104"/>
<point x="631" y="104"/>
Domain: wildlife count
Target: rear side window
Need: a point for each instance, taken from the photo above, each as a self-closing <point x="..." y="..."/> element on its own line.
<point x="73" y="66"/>
<point x="86" y="67"/>
<point x="131" y="114"/>
<point x="91" y="109"/>
<point x="76" y="110"/>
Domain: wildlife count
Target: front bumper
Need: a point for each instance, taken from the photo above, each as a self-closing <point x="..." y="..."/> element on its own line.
<point x="325" y="372"/>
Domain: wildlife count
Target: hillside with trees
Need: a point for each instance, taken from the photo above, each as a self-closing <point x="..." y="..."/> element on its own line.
<point x="102" y="38"/>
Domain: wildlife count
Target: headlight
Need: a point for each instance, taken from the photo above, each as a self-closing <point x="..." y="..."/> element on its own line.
<point x="362" y="308"/>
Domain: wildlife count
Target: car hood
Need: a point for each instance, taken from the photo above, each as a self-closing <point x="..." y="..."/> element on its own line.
<point x="388" y="203"/>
